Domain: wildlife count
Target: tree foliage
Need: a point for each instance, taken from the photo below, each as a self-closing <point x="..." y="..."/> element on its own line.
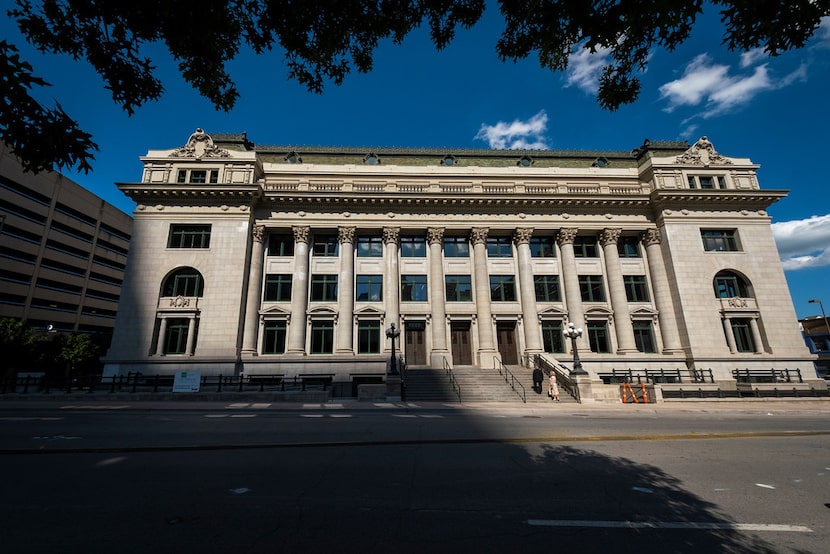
<point x="324" y="40"/>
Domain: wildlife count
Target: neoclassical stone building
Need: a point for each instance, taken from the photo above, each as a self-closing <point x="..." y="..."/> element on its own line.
<point x="295" y="261"/>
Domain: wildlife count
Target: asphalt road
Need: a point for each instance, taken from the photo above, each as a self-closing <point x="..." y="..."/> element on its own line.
<point x="377" y="477"/>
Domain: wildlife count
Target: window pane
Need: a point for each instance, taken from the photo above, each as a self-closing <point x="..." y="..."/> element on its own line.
<point x="198" y="176"/>
<point x="324" y="288"/>
<point x="552" y="337"/>
<point x="546" y="287"/>
<point x="322" y="337"/>
<point x="175" y="341"/>
<point x="585" y="247"/>
<point x="591" y="289"/>
<point x="370" y="247"/>
<point x="643" y="336"/>
<point x="456" y="247"/>
<point x="636" y="289"/>
<point x="459" y="288"/>
<point x="274" y="337"/>
<point x="369" y="288"/>
<point x="542" y="247"/>
<point x="719" y="240"/>
<point x="325" y="245"/>
<point x="280" y="245"/>
<point x="743" y="335"/>
<point x="502" y="288"/>
<point x="598" y="336"/>
<point x="730" y="285"/>
<point x="499" y="247"/>
<point x="413" y="247"/>
<point x="368" y="337"/>
<point x="277" y="287"/>
<point x="414" y="288"/>
<point x="628" y="247"/>
<point x="189" y="236"/>
<point x="183" y="282"/>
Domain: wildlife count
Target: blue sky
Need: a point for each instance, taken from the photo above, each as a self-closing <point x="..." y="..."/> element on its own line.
<point x="772" y="110"/>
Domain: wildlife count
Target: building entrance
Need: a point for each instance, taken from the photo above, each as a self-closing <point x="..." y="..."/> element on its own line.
<point x="462" y="352"/>
<point x="506" y="334"/>
<point x="414" y="343"/>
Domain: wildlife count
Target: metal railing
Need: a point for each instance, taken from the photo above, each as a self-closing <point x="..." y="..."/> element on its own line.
<point x="455" y="386"/>
<point x="563" y="375"/>
<point x="511" y="380"/>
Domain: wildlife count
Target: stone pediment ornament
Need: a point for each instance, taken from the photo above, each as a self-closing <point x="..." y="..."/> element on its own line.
<point x="702" y="153"/>
<point x="200" y="145"/>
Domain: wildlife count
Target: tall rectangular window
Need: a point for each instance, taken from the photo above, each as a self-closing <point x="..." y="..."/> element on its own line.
<point x="369" y="288"/>
<point x="189" y="236"/>
<point x="586" y="247"/>
<point x="198" y="176"/>
<point x="456" y="247"/>
<point x="598" y="337"/>
<point x="273" y="340"/>
<point x="459" y="288"/>
<point x="502" y="288"/>
<point x="636" y="289"/>
<point x="280" y="245"/>
<point x="542" y="247"/>
<point x="176" y="340"/>
<point x="277" y="287"/>
<point x="369" y="247"/>
<point x="628" y="247"/>
<point x="547" y="288"/>
<point x="368" y="337"/>
<point x="591" y="288"/>
<point x="414" y="288"/>
<point x="644" y="336"/>
<point x="324" y="288"/>
<point x="413" y="247"/>
<point x="499" y="247"/>
<point x="719" y="240"/>
<point x="322" y="337"/>
<point x="552" y="338"/>
<point x="743" y="334"/>
<point x="325" y="245"/>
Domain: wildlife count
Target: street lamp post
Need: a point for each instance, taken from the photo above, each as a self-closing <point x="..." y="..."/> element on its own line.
<point x="823" y="315"/>
<point x="393" y="333"/>
<point x="574" y="333"/>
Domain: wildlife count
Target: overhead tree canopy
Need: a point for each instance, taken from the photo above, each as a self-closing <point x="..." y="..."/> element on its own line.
<point x="324" y="40"/>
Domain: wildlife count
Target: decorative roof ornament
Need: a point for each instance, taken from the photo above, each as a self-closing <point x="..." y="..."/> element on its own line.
<point x="200" y="145"/>
<point x="702" y="153"/>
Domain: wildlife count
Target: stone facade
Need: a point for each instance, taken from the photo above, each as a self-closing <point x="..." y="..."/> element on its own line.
<point x="284" y="261"/>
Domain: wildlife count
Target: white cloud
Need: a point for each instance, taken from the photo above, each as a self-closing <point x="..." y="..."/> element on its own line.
<point x="517" y="135"/>
<point x="751" y="57"/>
<point x="803" y="243"/>
<point x="585" y="68"/>
<point x="823" y="33"/>
<point x="700" y="78"/>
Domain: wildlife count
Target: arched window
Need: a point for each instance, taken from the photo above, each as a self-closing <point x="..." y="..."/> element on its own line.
<point x="729" y="284"/>
<point x="184" y="281"/>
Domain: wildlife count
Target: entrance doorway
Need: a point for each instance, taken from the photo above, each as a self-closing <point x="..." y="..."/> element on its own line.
<point x="414" y="343"/>
<point x="462" y="351"/>
<point x="506" y="334"/>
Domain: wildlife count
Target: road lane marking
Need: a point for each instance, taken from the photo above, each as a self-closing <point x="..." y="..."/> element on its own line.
<point x="686" y="525"/>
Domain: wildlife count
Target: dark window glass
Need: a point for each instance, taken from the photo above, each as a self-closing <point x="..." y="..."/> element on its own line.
<point x="459" y="288"/>
<point x="636" y="289"/>
<point x="175" y="341"/>
<point x="499" y="247"/>
<point x="628" y="247"/>
<point x="322" y="337"/>
<point x="719" y="240"/>
<point x="369" y="288"/>
<point x="370" y="247"/>
<point x="591" y="289"/>
<point x="273" y="340"/>
<point x="456" y="247"/>
<point x="181" y="176"/>
<point x="585" y="247"/>
<point x="414" y="288"/>
<point x="280" y="245"/>
<point x="214" y="175"/>
<point x="277" y="287"/>
<point x="743" y="335"/>
<point x="502" y="288"/>
<point x="413" y="247"/>
<point x="552" y="337"/>
<point x="547" y="288"/>
<point x="542" y="247"/>
<point x="368" y="337"/>
<point x="325" y="245"/>
<point x="189" y="236"/>
<point x="730" y="285"/>
<point x="183" y="282"/>
<point x="198" y="176"/>
<point x="598" y="336"/>
<point x="323" y="288"/>
<point x="643" y="336"/>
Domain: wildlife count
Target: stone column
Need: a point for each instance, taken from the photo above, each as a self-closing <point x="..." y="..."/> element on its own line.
<point x="391" y="277"/>
<point x="191" y="335"/>
<point x="756" y="335"/>
<point x="662" y="294"/>
<point x="437" y="301"/>
<point x="345" y="292"/>
<point x="299" y="293"/>
<point x="570" y="278"/>
<point x="730" y="336"/>
<point x="616" y="290"/>
<point x="486" y="344"/>
<point x="161" y="337"/>
<point x="251" y="332"/>
<point x="532" y="328"/>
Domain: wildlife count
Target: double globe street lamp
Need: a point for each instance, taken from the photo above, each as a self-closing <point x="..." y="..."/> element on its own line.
<point x="574" y="333"/>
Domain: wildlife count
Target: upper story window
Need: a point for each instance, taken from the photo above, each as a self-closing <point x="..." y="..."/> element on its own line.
<point x="189" y="236"/>
<point x="456" y="247"/>
<point x="720" y="240"/>
<point x="185" y="281"/>
<point x="585" y="247"/>
<point x="325" y="245"/>
<point x="542" y="247"/>
<point x="280" y="245"/>
<point x="413" y="247"/>
<point x="729" y="284"/>
<point x="499" y="247"/>
<point x="502" y="288"/>
<point x="459" y="288"/>
<point x="706" y="182"/>
<point x="449" y="159"/>
<point x="370" y="247"/>
<point x="198" y="176"/>
<point x="628" y="247"/>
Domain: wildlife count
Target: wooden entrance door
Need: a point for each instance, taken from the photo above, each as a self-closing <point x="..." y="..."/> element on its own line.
<point x="415" y="345"/>
<point x="462" y="350"/>
<point x="506" y="334"/>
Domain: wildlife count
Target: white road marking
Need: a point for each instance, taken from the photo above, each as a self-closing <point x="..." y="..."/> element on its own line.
<point x="702" y="525"/>
<point x="243" y="415"/>
<point x="405" y="415"/>
<point x="643" y="489"/>
<point x="93" y="407"/>
<point x="763" y="486"/>
<point x="237" y="406"/>
<point x="240" y="490"/>
<point x="311" y="415"/>
<point x="30" y="418"/>
<point x="260" y="405"/>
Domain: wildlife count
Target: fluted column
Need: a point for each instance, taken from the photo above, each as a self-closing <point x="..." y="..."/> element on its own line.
<point x="486" y="344"/>
<point x="756" y="335"/>
<point x="299" y="292"/>
<point x="570" y="278"/>
<point x="437" y="301"/>
<point x="616" y="290"/>
<point x="391" y="276"/>
<point x="662" y="293"/>
<point x="253" y="302"/>
<point x="532" y="328"/>
<point x="345" y="291"/>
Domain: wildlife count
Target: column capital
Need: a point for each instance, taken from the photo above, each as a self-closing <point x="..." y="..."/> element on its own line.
<point x="478" y="235"/>
<point x="522" y="235"/>
<point x="346" y="234"/>
<point x="610" y="236"/>
<point x="391" y="234"/>
<point x="652" y="236"/>
<point x="566" y="236"/>
<point x="435" y="234"/>
<point x="301" y="233"/>
<point x="258" y="233"/>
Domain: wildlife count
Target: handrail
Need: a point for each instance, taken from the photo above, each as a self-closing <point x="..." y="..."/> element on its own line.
<point x="563" y="377"/>
<point x="456" y="388"/>
<point x="511" y="380"/>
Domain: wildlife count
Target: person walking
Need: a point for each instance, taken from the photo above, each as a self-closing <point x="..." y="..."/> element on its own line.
<point x="537" y="380"/>
<point x="553" y="387"/>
